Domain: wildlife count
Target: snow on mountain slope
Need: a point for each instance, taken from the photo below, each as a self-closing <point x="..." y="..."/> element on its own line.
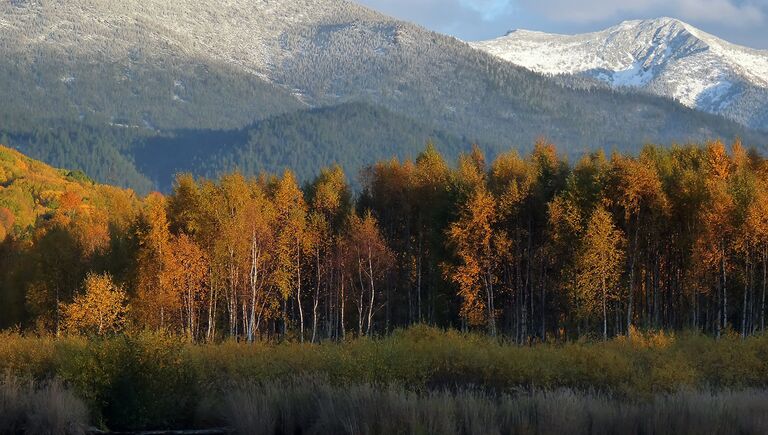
<point x="664" y="56"/>
<point x="241" y="32"/>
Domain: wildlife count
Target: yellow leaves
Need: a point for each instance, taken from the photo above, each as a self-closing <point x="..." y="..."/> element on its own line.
<point x="101" y="309"/>
<point x="638" y="185"/>
<point x="290" y="232"/>
<point x="92" y="232"/>
<point x="647" y="339"/>
<point x="564" y="220"/>
<point x="7" y="219"/>
<point x="330" y="191"/>
<point x="121" y="206"/>
<point x="719" y="164"/>
<point x="155" y="220"/>
<point x="41" y="196"/>
<point x="5" y="177"/>
<point x="480" y="249"/>
<point x="69" y="202"/>
<point x="471" y="170"/>
<point x="186" y="267"/>
<point x="511" y="179"/>
<point x="714" y="242"/>
<point x="365" y="237"/>
<point x="756" y="221"/>
<point x="599" y="262"/>
<point x="431" y="169"/>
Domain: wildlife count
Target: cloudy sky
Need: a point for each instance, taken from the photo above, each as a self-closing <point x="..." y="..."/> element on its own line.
<point x="740" y="21"/>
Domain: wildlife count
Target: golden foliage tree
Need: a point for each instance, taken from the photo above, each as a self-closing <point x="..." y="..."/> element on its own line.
<point x="636" y="190"/>
<point x="291" y="243"/>
<point x="370" y="258"/>
<point x="480" y="250"/>
<point x="185" y="273"/>
<point x="756" y="233"/>
<point x="598" y="266"/>
<point x="100" y="309"/>
<point x="156" y="302"/>
<point x="716" y="240"/>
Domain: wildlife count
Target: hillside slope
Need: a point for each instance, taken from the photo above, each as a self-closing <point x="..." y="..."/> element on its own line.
<point x="31" y="190"/>
<point x="351" y="135"/>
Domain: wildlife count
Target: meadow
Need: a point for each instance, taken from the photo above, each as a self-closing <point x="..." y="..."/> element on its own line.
<point x="420" y="380"/>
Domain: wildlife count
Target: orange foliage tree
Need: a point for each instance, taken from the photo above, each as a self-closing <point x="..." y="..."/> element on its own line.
<point x="480" y="249"/>
<point x="100" y="309"/>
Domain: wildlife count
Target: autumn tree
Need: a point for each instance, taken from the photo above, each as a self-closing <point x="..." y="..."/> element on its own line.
<point x="563" y="235"/>
<point x="185" y="272"/>
<point x="291" y="245"/>
<point x="390" y="193"/>
<point x="755" y="232"/>
<point x="480" y="250"/>
<point x="100" y="309"/>
<point x="156" y="302"/>
<point x="369" y="261"/>
<point x="599" y="265"/>
<point x="330" y="204"/>
<point x="527" y="246"/>
<point x="715" y="242"/>
<point x="432" y="208"/>
<point x="635" y="190"/>
<point x="259" y="225"/>
<point x="7" y="220"/>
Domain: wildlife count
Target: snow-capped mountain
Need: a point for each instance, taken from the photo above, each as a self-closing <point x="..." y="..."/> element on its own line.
<point x="664" y="56"/>
<point x="157" y="67"/>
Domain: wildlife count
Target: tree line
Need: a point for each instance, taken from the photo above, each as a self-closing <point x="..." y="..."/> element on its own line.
<point x="526" y="247"/>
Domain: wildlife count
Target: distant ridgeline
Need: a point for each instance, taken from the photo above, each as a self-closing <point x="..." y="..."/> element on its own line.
<point x="352" y="135"/>
<point x="531" y="247"/>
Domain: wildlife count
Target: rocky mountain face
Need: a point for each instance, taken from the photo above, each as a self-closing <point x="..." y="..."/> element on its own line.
<point x="664" y="56"/>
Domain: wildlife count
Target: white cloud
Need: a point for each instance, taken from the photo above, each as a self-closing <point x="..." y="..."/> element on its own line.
<point x="488" y="9"/>
<point x="722" y="11"/>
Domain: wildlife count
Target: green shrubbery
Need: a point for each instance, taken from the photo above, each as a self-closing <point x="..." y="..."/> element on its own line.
<point x="155" y="380"/>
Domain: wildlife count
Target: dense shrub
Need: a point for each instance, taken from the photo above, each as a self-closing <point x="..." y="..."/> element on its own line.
<point x="132" y="382"/>
<point x="156" y="380"/>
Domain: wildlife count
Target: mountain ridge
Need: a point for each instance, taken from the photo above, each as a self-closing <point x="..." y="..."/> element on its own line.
<point x="664" y="56"/>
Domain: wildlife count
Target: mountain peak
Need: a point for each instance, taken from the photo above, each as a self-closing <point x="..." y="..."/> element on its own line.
<point x="665" y="56"/>
<point x="666" y="25"/>
<point x="661" y="27"/>
<point x="654" y="22"/>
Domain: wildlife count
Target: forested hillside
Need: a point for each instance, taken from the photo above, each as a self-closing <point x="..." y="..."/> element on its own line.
<point x="351" y="135"/>
<point x="529" y="247"/>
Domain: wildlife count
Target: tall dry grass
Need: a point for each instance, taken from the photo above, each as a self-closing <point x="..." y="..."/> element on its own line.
<point x="33" y="408"/>
<point x="311" y="406"/>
